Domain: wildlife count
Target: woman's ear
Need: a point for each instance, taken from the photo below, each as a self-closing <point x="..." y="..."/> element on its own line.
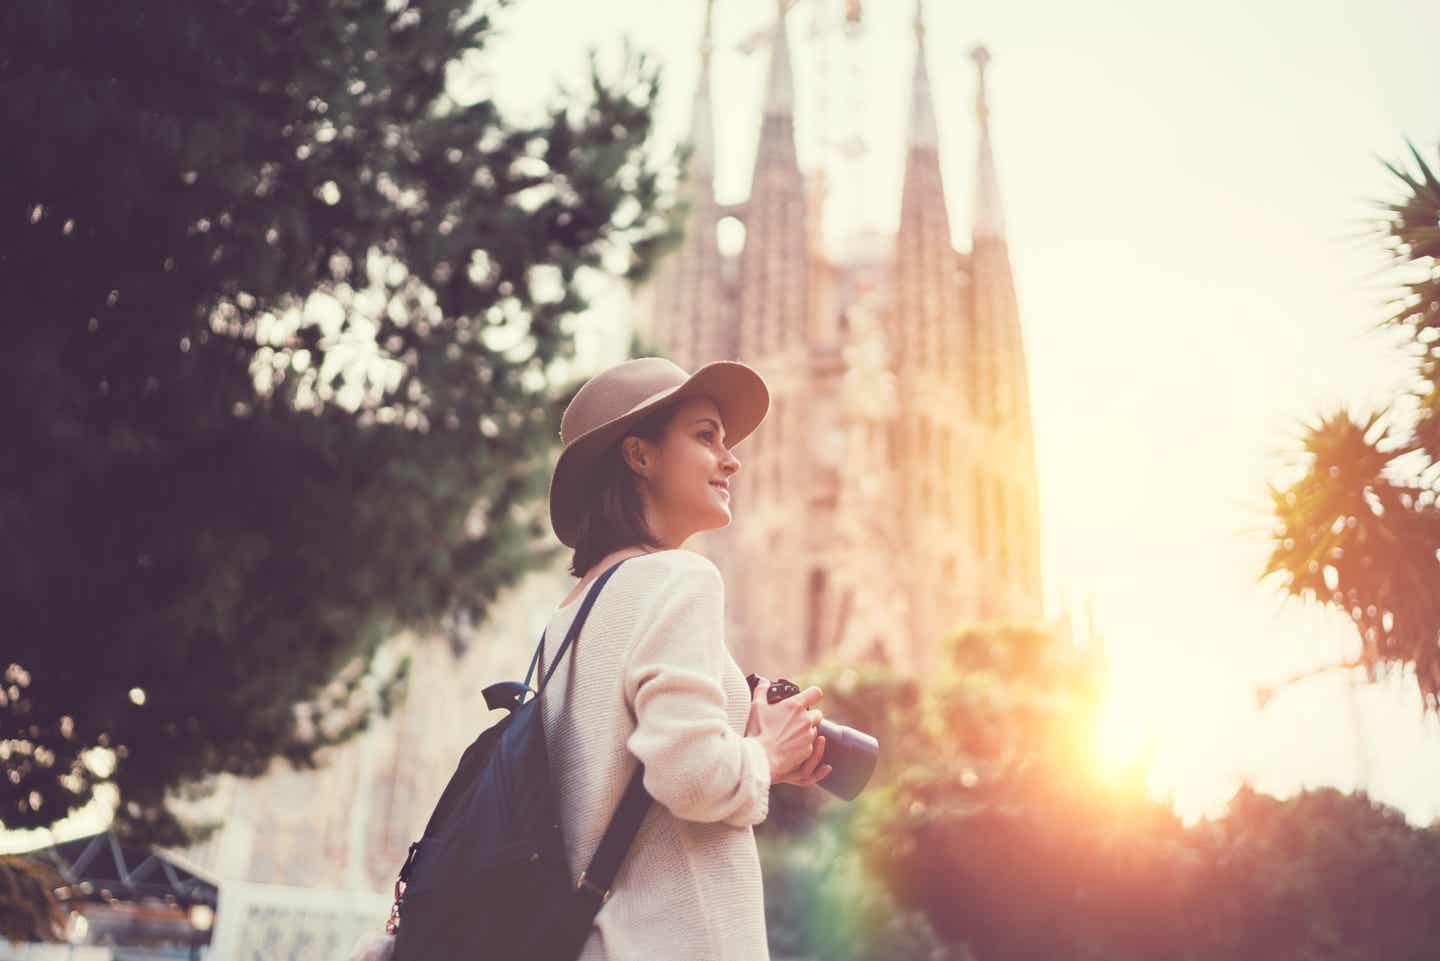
<point x="637" y="458"/>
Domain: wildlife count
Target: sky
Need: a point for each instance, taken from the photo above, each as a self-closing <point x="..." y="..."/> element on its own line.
<point x="1187" y="189"/>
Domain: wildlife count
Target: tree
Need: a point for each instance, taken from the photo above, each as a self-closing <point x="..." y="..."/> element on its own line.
<point x="822" y="900"/>
<point x="989" y="837"/>
<point x="1360" y="529"/>
<point x="1319" y="875"/>
<point x="282" y="314"/>
<point x="998" y="828"/>
<point x="975" y="762"/>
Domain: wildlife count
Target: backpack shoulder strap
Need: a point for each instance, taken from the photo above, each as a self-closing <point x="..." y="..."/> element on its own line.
<point x="575" y="626"/>
<point x="597" y="879"/>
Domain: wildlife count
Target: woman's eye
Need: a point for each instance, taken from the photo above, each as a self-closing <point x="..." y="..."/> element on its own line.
<point x="707" y="435"/>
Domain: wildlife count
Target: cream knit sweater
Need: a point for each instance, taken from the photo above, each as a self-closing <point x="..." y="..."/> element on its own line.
<point x="651" y="680"/>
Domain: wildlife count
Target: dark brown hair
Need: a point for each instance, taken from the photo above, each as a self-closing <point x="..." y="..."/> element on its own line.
<point x="614" y="516"/>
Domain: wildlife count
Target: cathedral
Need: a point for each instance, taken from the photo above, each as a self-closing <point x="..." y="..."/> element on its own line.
<point x="890" y="497"/>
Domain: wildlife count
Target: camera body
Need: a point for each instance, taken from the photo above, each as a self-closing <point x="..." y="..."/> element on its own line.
<point x="851" y="753"/>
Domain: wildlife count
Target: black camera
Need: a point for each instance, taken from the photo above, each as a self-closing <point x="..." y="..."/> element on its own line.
<point x="851" y="754"/>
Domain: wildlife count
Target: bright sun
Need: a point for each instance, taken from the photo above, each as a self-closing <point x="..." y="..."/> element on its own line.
<point x="1131" y="722"/>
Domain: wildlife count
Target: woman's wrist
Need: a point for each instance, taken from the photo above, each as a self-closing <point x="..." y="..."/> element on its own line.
<point x="765" y="750"/>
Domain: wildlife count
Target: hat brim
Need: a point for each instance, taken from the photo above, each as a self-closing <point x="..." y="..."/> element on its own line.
<point x="736" y="389"/>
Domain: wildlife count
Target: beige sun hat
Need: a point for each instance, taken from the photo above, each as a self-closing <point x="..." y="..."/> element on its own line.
<point x="614" y="400"/>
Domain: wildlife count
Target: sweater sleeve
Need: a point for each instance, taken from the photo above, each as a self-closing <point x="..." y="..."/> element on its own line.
<point x="695" y="763"/>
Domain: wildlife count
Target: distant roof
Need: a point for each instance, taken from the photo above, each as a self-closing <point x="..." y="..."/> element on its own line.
<point x="100" y="868"/>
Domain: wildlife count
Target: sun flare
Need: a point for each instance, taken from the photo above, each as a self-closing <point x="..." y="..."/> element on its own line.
<point x="1130" y="726"/>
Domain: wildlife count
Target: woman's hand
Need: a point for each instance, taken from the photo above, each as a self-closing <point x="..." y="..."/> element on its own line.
<point x="786" y="729"/>
<point x="810" y="771"/>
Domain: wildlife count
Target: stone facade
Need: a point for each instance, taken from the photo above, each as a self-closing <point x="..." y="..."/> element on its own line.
<point x="890" y="496"/>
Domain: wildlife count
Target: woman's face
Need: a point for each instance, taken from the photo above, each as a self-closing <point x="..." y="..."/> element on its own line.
<point x="686" y="475"/>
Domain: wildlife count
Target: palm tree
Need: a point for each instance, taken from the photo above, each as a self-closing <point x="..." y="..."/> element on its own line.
<point x="1361" y="529"/>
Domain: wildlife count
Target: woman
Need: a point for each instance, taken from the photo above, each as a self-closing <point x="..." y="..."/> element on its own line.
<point x="647" y="462"/>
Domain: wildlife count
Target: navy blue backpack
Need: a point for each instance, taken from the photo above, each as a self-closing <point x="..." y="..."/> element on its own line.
<point x="488" y="877"/>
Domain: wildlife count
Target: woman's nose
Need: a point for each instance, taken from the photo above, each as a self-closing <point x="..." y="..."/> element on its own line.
<point x="731" y="463"/>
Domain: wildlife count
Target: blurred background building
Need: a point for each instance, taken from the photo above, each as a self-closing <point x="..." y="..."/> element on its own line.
<point x="891" y="495"/>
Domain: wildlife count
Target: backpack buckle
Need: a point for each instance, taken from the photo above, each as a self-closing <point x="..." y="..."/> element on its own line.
<point x="585" y="884"/>
<point x="507" y="695"/>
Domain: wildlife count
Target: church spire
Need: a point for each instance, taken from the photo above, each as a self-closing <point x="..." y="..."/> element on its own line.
<point x="774" y="264"/>
<point x="926" y="321"/>
<point x="922" y="106"/>
<point x="685" y="304"/>
<point x="775" y="152"/>
<point x="1001" y="384"/>
<point x="780" y="88"/>
<point x="989" y="220"/>
<point x="702" y="124"/>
